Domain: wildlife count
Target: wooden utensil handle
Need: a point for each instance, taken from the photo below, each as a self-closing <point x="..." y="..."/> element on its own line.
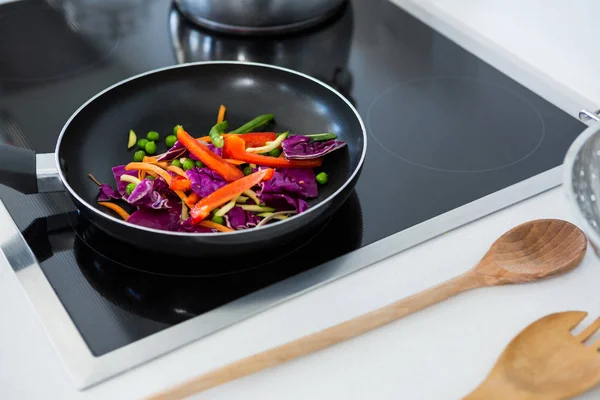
<point x="491" y="390"/>
<point x="322" y="339"/>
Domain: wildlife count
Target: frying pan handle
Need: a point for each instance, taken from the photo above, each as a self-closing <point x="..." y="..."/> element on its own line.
<point x="27" y="172"/>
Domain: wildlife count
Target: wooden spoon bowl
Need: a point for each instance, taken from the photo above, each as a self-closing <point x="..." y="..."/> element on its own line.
<point x="532" y="251"/>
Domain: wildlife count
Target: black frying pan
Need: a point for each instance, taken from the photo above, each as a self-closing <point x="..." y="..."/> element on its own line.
<point x="94" y="140"/>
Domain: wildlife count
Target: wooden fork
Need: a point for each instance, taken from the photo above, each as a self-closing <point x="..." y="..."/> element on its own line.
<point x="545" y="361"/>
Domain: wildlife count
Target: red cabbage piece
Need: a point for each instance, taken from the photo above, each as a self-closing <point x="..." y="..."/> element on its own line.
<point x="144" y="195"/>
<point x="238" y="219"/>
<point x="187" y="226"/>
<point x="178" y="150"/>
<point x="289" y="188"/>
<point x="299" y="147"/>
<point x="216" y="150"/>
<point x="161" y="186"/>
<point x="204" y="181"/>
<point x="118" y="171"/>
<point x="107" y="193"/>
<point x="284" y="202"/>
<point x="163" y="219"/>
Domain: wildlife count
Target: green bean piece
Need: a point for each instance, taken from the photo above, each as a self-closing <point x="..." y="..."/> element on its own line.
<point x="170" y="141"/>
<point x="322" y="178"/>
<point x="142" y="143"/>
<point x="218" y="220"/>
<point x="199" y="164"/>
<point x="150" y="148"/>
<point x="130" y="188"/>
<point x="215" y="133"/>
<point x="139" y="155"/>
<point x="188" y="164"/>
<point x="256" y="123"/>
<point x="176" y="163"/>
<point x="275" y="153"/>
<point x="153" y="136"/>
<point x="321" y="137"/>
<point x="247" y="170"/>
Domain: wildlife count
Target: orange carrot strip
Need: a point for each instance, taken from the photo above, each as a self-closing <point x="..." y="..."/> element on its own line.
<point x="149" y="168"/>
<point x="224" y="194"/>
<point x="154" y="161"/>
<point x="236" y="148"/>
<point x="177" y="170"/>
<point x="214" y="225"/>
<point x="234" y="162"/>
<point x="229" y="172"/>
<point x="221" y="115"/>
<point x="119" y="210"/>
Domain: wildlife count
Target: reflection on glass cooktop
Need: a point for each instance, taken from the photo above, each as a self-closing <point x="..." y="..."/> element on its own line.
<point x="145" y="292"/>
<point x="445" y="129"/>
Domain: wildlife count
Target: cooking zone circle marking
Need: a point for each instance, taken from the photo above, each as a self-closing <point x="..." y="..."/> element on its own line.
<point x="452" y="124"/>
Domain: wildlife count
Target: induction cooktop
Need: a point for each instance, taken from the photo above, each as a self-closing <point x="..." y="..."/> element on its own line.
<point x="450" y="139"/>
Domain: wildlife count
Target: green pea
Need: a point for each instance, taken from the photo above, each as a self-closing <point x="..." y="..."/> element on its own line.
<point x="170" y="140"/>
<point x="153" y="136"/>
<point x="199" y="164"/>
<point x="150" y="148"/>
<point x="142" y="143"/>
<point x="218" y="220"/>
<point x="175" y="129"/>
<point x="247" y="170"/>
<point x="188" y="164"/>
<point x="322" y="178"/>
<point x="176" y="163"/>
<point x="139" y="155"/>
<point x="150" y="177"/>
<point x="130" y="188"/>
<point x="275" y="152"/>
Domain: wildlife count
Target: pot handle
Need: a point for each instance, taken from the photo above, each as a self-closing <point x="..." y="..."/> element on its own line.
<point x="27" y="172"/>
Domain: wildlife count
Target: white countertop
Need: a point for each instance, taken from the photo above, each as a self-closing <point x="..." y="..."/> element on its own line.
<point x="440" y="353"/>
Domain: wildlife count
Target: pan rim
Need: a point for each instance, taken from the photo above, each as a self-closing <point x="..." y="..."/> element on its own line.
<point x="212" y="234"/>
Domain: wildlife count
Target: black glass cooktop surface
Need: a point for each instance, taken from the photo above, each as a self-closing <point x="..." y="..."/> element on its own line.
<point x="444" y="129"/>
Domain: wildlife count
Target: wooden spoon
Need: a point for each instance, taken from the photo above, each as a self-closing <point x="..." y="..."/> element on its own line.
<point x="529" y="252"/>
<point x="545" y="362"/>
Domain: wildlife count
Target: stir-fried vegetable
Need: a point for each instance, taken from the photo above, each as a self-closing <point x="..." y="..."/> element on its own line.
<point x="321" y="136"/>
<point x="153" y="136"/>
<point x="180" y="183"/>
<point x="256" y="139"/>
<point x="236" y="148"/>
<point x="215" y="133"/>
<point x="221" y="115"/>
<point x="269" y="146"/>
<point x="151" y="168"/>
<point x="132" y="139"/>
<point x="220" y="196"/>
<point x="119" y="210"/>
<point x="322" y="178"/>
<point x="222" y="182"/>
<point x="210" y="159"/>
<point x="254" y="124"/>
<point x="300" y="147"/>
<point x="214" y="225"/>
<point x="139" y="155"/>
<point x="170" y="140"/>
